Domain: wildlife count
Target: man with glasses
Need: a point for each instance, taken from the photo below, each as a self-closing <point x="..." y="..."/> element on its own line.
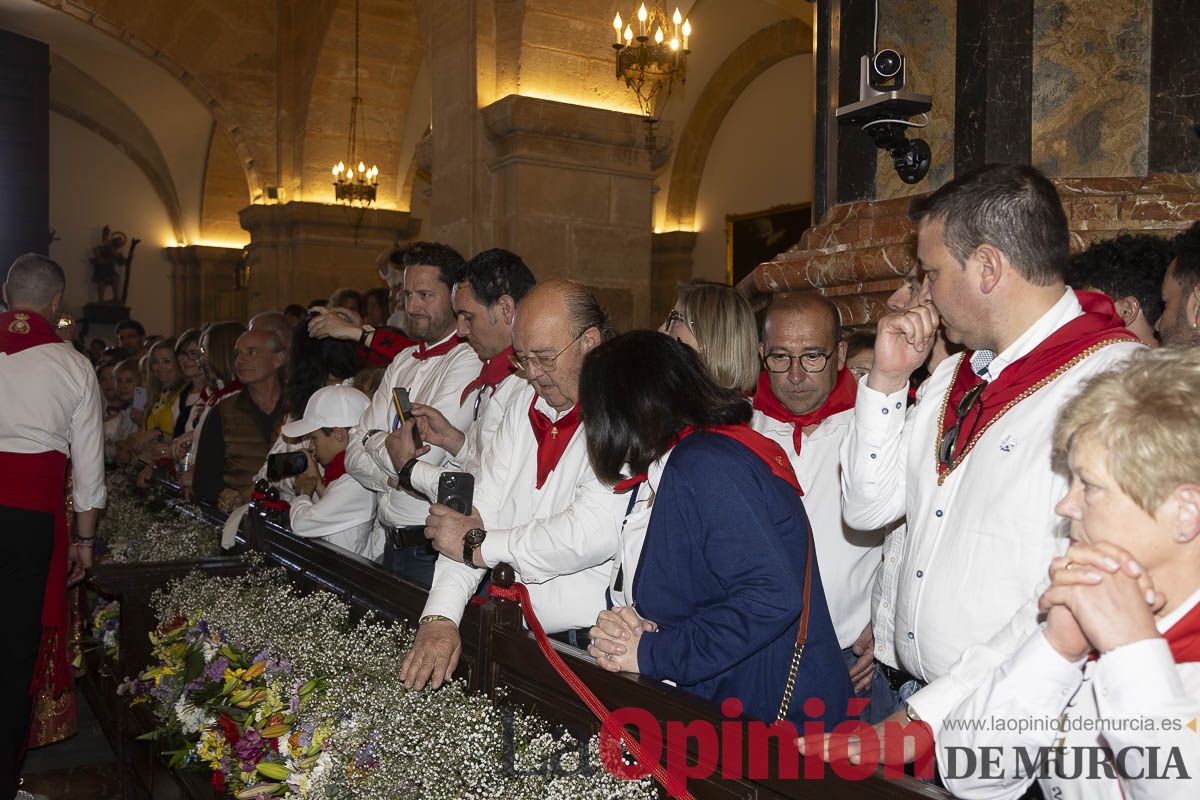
<point x="970" y="465"/>
<point x="804" y="401"/>
<point x="538" y="505"/>
<point x="434" y="372"/>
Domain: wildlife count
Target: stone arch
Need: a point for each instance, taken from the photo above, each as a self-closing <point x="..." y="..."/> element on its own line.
<point x="189" y="80"/>
<point x="766" y="48"/>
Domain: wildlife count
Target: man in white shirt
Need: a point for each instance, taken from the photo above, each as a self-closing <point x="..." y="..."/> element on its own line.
<point x="804" y="401"/>
<point x="493" y="283"/>
<point x="530" y="476"/>
<point x="330" y="504"/>
<point x="970" y="466"/>
<point x="52" y="411"/>
<point x="434" y="373"/>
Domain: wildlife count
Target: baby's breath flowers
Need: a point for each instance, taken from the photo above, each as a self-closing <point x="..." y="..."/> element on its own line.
<point x="141" y="525"/>
<point x="281" y="694"/>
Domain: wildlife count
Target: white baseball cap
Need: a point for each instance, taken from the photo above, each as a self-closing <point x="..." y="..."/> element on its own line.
<point x="331" y="407"/>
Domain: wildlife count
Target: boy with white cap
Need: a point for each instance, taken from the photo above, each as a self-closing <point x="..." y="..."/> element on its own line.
<point x="332" y="504"/>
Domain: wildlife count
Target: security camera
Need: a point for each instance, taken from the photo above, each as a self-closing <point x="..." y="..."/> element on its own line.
<point x="883" y="111"/>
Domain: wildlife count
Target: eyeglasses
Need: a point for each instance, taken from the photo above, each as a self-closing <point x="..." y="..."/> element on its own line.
<point x="675" y="317"/>
<point x="192" y="355"/>
<point x="950" y="438"/>
<point x="858" y="372"/>
<point x="545" y="364"/>
<point x="809" y="362"/>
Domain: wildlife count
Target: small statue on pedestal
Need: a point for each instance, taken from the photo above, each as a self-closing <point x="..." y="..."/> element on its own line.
<point x="106" y="258"/>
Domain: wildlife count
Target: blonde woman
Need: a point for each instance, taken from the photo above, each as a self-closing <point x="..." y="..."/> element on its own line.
<point x="716" y="321"/>
<point x="1115" y="670"/>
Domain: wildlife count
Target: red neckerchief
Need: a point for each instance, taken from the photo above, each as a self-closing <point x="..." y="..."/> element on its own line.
<point x="495" y="370"/>
<point x="422" y="352"/>
<point x="1097" y="327"/>
<point x="552" y="438"/>
<point x="839" y="400"/>
<point x="224" y="391"/>
<point x="769" y="451"/>
<point x="21" y="330"/>
<point x="335" y="469"/>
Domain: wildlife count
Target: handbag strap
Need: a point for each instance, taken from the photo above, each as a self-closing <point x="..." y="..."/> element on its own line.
<point x="801" y="635"/>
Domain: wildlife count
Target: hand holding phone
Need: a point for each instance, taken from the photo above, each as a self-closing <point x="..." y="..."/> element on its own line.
<point x="403" y="406"/>
<point x="140" y="398"/>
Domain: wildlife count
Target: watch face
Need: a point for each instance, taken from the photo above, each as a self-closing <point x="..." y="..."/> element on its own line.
<point x="475" y="536"/>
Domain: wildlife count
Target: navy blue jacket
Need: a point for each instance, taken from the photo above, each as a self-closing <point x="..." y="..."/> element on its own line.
<point x="722" y="573"/>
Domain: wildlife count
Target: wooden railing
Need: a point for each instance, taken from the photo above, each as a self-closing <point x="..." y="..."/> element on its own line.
<point x="497" y="653"/>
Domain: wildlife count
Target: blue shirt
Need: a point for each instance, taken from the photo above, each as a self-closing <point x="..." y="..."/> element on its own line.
<point x="722" y="573"/>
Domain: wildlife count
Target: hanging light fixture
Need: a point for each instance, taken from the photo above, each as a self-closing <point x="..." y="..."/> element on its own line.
<point x="353" y="181"/>
<point x="651" y="56"/>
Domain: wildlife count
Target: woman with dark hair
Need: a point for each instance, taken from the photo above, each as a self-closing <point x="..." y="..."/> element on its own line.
<point x="312" y="364"/>
<point x="723" y="576"/>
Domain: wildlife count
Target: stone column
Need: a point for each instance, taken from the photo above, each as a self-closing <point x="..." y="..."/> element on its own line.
<point x="302" y="251"/>
<point x="208" y="285"/>
<point x="670" y="265"/>
<point x="572" y="188"/>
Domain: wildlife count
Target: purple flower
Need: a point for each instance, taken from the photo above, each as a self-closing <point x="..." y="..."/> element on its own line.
<point x="216" y="670"/>
<point x="250" y="749"/>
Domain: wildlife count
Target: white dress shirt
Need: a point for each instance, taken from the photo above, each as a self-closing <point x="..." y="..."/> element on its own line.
<point x="494" y="403"/>
<point x="50" y="400"/>
<point x="560" y="547"/>
<point x="437" y="381"/>
<point x="849" y="558"/>
<point x="631" y="533"/>
<point x="977" y="545"/>
<point x="1134" y="696"/>
<point x="344" y="515"/>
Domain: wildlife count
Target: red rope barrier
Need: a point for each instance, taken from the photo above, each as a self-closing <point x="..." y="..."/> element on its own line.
<point x="520" y="595"/>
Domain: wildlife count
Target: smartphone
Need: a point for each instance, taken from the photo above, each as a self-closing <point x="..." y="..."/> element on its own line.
<point x="403" y="412"/>
<point x="456" y="490"/>
<point x="140" y="398"/>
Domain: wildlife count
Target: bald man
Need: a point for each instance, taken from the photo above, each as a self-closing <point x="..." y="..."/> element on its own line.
<point x="528" y="511"/>
<point x="51" y="411"/>
<point x="804" y="401"/>
<point x="239" y="431"/>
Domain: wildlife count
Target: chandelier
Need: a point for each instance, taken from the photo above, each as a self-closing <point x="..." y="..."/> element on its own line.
<point x="351" y="186"/>
<point x="653" y="58"/>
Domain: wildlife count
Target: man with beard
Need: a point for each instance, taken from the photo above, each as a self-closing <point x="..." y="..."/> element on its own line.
<point x="434" y="372"/>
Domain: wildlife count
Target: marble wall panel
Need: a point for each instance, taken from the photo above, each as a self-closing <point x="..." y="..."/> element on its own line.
<point x="1091" y="84"/>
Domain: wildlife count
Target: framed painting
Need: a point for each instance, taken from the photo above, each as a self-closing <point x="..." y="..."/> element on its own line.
<point x="751" y="239"/>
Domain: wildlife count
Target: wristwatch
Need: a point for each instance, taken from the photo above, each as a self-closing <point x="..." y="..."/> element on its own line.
<point x="472" y="539"/>
<point x="367" y="330"/>
<point x="911" y="713"/>
<point x="428" y="618"/>
<point x="404" y="476"/>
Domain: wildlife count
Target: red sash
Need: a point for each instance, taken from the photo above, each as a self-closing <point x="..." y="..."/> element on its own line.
<point x="771" y="454"/>
<point x="494" y="371"/>
<point x="839" y="400"/>
<point x="1098" y="326"/>
<point x="422" y="352"/>
<point x="36" y="482"/>
<point x="335" y="468"/>
<point x="552" y="438"/>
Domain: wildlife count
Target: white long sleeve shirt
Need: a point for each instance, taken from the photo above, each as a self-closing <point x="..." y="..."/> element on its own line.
<point x="493" y="405"/>
<point x="50" y="400"/>
<point x="849" y="558"/>
<point x="437" y="381"/>
<point x="977" y="544"/>
<point x="344" y="515"/>
<point x="560" y="547"/>
<point x="1133" y="700"/>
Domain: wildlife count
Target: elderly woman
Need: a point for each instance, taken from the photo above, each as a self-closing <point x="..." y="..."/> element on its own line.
<point x="724" y="576"/>
<point x="1117" y="662"/>
<point x="717" y="322"/>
